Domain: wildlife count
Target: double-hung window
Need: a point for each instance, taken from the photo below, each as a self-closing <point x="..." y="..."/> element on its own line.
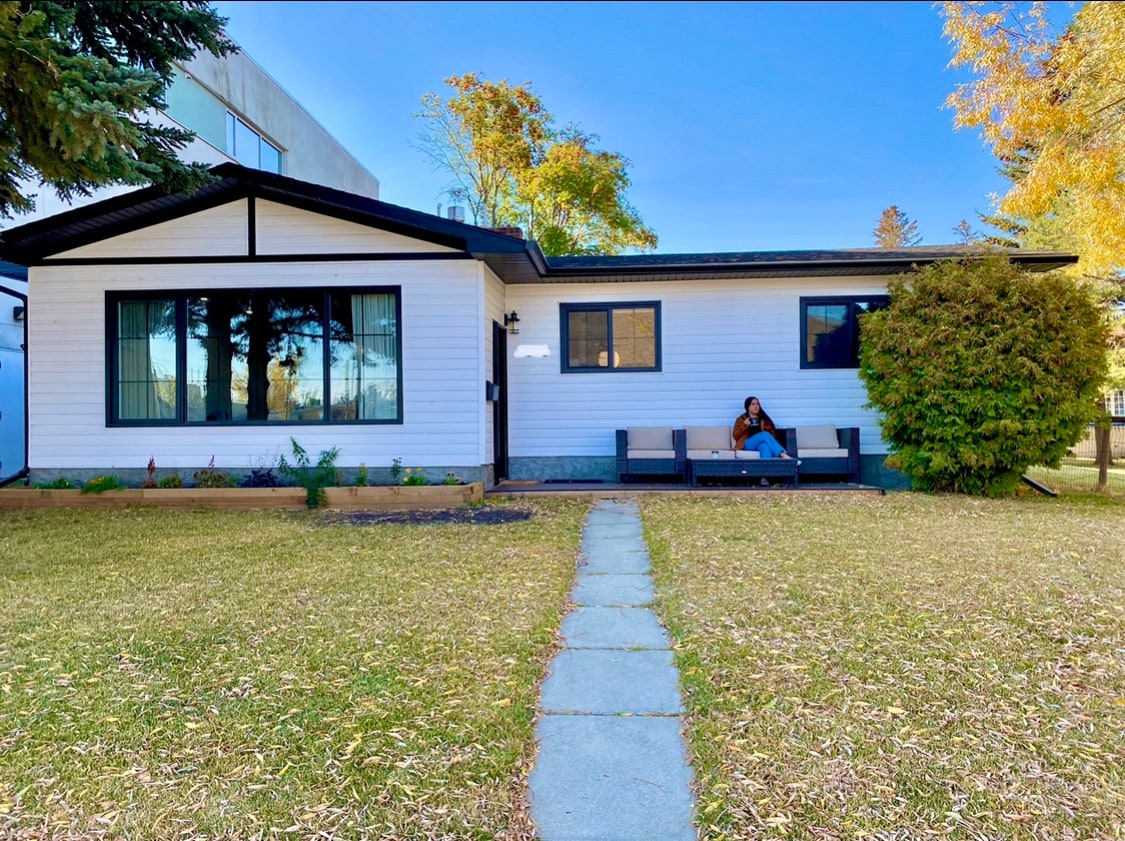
<point x="610" y="337"/>
<point x="830" y="329"/>
<point x="254" y="356"/>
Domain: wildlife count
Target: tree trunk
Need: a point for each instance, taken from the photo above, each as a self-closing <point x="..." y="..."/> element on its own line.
<point x="1101" y="445"/>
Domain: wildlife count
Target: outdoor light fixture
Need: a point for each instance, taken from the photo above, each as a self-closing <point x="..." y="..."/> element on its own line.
<point x="18" y="313"/>
<point x="511" y="319"/>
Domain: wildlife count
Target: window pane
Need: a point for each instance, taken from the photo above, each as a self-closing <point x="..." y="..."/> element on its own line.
<point x="246" y="143"/>
<point x="270" y="157"/>
<point x="256" y="357"/>
<point x="210" y="358"/>
<point x="634" y="338"/>
<point x="364" y="360"/>
<point x="146" y="360"/>
<point x="828" y="334"/>
<point x="588" y="339"/>
<point x="231" y="120"/>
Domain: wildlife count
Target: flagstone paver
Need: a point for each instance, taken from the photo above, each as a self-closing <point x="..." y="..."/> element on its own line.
<point x="612" y="763"/>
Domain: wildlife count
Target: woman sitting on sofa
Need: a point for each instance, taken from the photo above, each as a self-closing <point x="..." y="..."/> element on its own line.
<point x="754" y="430"/>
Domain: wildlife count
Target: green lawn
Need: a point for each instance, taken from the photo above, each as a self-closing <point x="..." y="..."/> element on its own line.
<point x="241" y="675"/>
<point x="899" y="667"/>
<point x="894" y="667"/>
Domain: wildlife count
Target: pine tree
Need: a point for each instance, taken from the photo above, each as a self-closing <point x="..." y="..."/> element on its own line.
<point x="896" y="229"/>
<point x="76" y="82"/>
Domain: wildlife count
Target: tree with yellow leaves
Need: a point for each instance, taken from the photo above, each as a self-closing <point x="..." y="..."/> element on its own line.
<point x="516" y="169"/>
<point x="1052" y="109"/>
<point x="1051" y="105"/>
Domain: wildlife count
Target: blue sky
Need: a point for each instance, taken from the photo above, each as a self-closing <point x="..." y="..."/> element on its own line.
<point x="749" y="126"/>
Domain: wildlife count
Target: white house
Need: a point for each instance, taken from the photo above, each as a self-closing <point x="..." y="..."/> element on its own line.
<point x="263" y="309"/>
<point x="238" y="114"/>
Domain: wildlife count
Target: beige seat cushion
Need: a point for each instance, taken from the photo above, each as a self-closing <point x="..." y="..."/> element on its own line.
<point x="821" y="437"/>
<point x="649" y="438"/>
<point x="750" y="454"/>
<point x="817" y="452"/>
<point x="708" y="438"/>
<point x="650" y="453"/>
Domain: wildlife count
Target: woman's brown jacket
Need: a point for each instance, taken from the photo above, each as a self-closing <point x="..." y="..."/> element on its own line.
<point x="741" y="430"/>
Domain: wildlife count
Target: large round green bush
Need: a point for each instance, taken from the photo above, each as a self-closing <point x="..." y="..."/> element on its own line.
<point x="981" y="369"/>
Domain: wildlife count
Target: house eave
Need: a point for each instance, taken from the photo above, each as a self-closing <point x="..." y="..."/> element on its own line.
<point x="514" y="260"/>
<point x="747" y="266"/>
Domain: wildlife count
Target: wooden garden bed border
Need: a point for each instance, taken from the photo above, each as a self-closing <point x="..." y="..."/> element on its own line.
<point x="371" y="498"/>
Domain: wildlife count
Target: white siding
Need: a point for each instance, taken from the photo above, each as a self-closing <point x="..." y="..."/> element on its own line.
<point x="217" y="232"/>
<point x="721" y="341"/>
<point x="288" y="230"/>
<point x="442" y="387"/>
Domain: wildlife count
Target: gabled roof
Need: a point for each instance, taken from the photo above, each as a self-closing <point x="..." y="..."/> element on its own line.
<point x="36" y="241"/>
<point x="513" y="259"/>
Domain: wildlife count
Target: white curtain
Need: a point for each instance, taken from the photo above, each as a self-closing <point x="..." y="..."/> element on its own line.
<point x="137" y="381"/>
<point x="374" y="332"/>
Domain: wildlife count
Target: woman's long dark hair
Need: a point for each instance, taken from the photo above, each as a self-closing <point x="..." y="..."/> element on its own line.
<point x="766" y="419"/>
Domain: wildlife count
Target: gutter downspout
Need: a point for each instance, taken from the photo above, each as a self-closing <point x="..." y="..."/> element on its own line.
<point x="26" y="470"/>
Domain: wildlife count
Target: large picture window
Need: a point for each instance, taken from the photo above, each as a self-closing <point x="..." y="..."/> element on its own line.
<point x="830" y="329"/>
<point x="610" y="337"/>
<point x="255" y="356"/>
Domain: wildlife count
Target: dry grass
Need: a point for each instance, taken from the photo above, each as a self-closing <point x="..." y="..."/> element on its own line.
<point x="264" y="675"/>
<point x="899" y="667"/>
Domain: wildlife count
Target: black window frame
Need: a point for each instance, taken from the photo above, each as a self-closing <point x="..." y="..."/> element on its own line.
<point x="565" y="309"/>
<point x="181" y="296"/>
<point x="852" y="302"/>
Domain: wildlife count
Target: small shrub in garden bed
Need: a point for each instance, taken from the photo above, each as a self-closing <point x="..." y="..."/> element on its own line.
<point x="103" y="483"/>
<point x="209" y="477"/>
<point x="60" y="484"/>
<point x="260" y="478"/>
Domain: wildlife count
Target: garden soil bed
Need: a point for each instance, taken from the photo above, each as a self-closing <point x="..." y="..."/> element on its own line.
<point x="487" y="516"/>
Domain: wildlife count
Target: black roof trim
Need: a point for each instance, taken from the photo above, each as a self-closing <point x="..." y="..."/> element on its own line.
<point x="32" y="243"/>
<point x="514" y="260"/>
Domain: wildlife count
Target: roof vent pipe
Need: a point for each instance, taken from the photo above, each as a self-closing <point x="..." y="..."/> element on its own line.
<point x="456" y="213"/>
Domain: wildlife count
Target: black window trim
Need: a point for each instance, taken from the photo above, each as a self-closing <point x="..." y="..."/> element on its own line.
<point x="180" y="297"/>
<point x="853" y="325"/>
<point x="565" y="309"/>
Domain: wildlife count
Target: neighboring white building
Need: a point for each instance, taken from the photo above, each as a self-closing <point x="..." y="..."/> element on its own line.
<point x="13" y="309"/>
<point x="239" y="114"/>
<point x="265" y="309"/>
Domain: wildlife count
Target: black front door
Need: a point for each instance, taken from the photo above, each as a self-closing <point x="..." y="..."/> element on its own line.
<point x="500" y="406"/>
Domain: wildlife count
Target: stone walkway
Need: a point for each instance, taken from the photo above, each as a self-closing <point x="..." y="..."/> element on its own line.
<point x="612" y="763"/>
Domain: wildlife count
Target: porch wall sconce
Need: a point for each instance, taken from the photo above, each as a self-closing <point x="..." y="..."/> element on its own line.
<point x="18" y="313"/>
<point x="511" y="319"/>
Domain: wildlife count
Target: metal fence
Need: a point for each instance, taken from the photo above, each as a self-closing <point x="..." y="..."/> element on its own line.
<point x="1079" y="469"/>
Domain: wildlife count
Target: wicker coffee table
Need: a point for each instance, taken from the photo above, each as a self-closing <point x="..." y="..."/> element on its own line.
<point x="747" y="468"/>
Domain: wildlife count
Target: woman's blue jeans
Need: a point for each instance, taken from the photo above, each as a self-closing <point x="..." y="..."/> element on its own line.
<point x="765" y="444"/>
